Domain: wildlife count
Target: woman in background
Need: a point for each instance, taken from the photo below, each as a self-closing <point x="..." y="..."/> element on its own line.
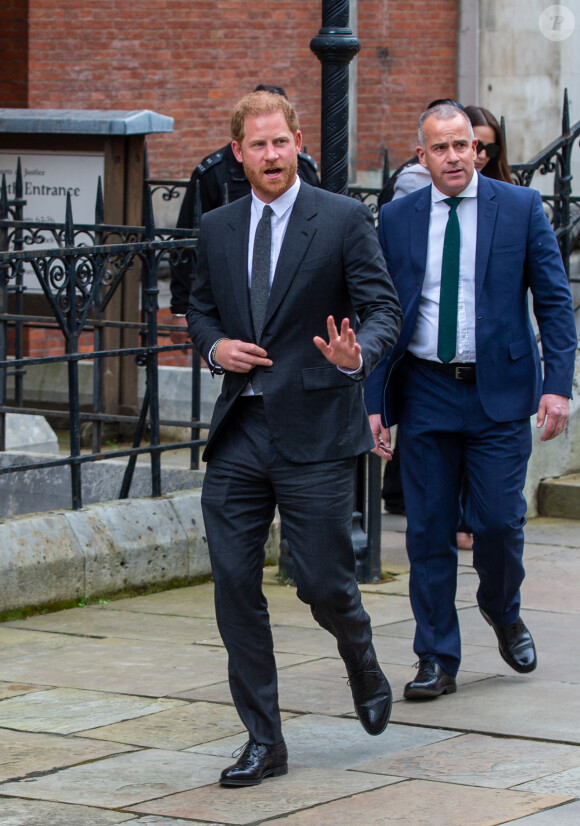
<point x="491" y="158"/>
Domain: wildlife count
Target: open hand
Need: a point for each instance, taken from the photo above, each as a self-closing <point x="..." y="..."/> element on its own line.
<point x="342" y="349"/>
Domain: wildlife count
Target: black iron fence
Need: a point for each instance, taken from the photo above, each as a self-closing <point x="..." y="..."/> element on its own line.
<point x="79" y="270"/>
<point x="562" y="206"/>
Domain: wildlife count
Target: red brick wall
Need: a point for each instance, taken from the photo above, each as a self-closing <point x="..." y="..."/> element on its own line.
<point x="14" y="54"/>
<point x="408" y="58"/>
<point x="192" y="59"/>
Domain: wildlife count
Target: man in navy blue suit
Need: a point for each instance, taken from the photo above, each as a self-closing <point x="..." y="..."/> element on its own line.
<point x="462" y="382"/>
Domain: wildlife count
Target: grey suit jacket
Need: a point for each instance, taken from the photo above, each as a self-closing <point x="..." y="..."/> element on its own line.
<point x="330" y="263"/>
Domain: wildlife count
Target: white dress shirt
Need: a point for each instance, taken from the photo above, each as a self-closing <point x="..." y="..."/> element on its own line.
<point x="424" y="341"/>
<point x="282" y="209"/>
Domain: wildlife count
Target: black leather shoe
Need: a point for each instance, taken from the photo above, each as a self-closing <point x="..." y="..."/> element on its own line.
<point x="431" y="681"/>
<point x="515" y="643"/>
<point x="371" y="692"/>
<point x="256" y="762"/>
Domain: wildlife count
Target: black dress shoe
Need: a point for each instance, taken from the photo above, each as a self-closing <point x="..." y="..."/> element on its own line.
<point x="515" y="643"/>
<point x="371" y="692"/>
<point x="431" y="681"/>
<point x="256" y="762"/>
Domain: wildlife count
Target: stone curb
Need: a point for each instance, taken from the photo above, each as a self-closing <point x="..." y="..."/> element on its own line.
<point x="102" y="549"/>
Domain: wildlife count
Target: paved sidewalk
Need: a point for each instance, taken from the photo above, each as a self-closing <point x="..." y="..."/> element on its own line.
<point x="120" y="713"/>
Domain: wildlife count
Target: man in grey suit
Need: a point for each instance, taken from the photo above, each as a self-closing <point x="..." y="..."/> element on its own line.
<point x="277" y="272"/>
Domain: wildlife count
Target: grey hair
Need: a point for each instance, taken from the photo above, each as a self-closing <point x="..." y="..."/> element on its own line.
<point x="443" y="111"/>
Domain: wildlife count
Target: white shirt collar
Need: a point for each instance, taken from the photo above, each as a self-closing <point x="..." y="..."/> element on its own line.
<point x="281" y="204"/>
<point x="470" y="190"/>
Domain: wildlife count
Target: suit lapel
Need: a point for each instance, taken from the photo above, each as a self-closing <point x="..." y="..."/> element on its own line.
<point x="486" y="217"/>
<point x="237" y="231"/>
<point x="300" y="231"/>
<point x="419" y="236"/>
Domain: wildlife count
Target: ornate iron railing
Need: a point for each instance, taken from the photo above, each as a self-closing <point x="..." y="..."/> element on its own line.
<point x="79" y="270"/>
<point x="562" y="206"/>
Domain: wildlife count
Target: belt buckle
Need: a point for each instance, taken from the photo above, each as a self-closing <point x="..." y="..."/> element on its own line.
<point x="462" y="372"/>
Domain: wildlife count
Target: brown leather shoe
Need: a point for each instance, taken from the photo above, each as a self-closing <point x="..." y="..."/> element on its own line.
<point x="431" y="681"/>
<point x="371" y="692"/>
<point x="515" y="644"/>
<point x="256" y="762"/>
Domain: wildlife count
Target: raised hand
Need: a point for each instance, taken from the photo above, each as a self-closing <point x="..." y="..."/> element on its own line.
<point x="342" y="348"/>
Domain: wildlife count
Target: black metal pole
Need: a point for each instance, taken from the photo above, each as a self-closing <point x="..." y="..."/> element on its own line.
<point x="72" y="347"/>
<point x="335" y="46"/>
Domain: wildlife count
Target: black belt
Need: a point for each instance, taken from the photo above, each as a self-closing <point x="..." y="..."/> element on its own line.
<point x="460" y="371"/>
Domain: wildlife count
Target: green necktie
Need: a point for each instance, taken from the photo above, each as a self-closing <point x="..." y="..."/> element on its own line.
<point x="447" y="336"/>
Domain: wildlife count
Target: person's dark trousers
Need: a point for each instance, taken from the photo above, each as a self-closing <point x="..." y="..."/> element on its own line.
<point x="444" y="431"/>
<point x="246" y="478"/>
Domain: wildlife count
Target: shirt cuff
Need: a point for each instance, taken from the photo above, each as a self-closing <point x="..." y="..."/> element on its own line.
<point x="353" y="373"/>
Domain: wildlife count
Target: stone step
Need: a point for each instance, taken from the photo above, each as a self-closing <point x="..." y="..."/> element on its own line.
<point x="560" y="497"/>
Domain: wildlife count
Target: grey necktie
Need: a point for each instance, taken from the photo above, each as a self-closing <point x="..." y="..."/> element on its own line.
<point x="260" y="285"/>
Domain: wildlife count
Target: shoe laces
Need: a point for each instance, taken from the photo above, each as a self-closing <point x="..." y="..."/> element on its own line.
<point x="241" y="749"/>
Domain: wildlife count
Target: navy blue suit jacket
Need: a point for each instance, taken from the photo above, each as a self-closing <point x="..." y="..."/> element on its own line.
<point x="516" y="251"/>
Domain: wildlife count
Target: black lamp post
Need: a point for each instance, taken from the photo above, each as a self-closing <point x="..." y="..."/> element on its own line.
<point x="335" y="46"/>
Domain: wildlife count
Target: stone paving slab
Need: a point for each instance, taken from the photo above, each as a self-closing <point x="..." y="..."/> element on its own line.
<point x="551" y="582"/>
<point x="24" y="753"/>
<point x="286" y="609"/>
<point x="153" y="820"/>
<point x="337" y="743"/>
<point x="318" y="687"/>
<point x="556" y="636"/>
<point x="15" y="689"/>
<point x="13" y="636"/>
<point x="566" y="815"/>
<point x="121" y="781"/>
<point x="506" y="706"/>
<point x="193" y="601"/>
<point x="300" y="788"/>
<point x="96" y="622"/>
<point x="39" y="813"/>
<point x="311" y="641"/>
<point x="129" y="666"/>
<point x="178" y="728"/>
<point x="552" y="531"/>
<point x="476" y="760"/>
<point x="68" y="710"/>
<point x="318" y="643"/>
<point x="419" y="803"/>
<point x="561" y="782"/>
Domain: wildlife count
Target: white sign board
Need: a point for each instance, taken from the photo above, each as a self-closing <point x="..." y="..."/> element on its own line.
<point x="47" y="177"/>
